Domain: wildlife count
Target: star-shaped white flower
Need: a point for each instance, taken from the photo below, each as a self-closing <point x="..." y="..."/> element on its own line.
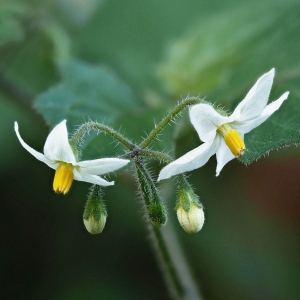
<point x="59" y="155"/>
<point x="224" y="134"/>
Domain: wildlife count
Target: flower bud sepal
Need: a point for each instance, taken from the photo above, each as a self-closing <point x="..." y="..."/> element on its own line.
<point x="189" y="209"/>
<point x="95" y="214"/>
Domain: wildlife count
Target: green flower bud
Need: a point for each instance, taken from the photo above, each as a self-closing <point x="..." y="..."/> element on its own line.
<point x="157" y="214"/>
<point x="155" y="206"/>
<point x="95" y="214"/>
<point x="189" y="209"/>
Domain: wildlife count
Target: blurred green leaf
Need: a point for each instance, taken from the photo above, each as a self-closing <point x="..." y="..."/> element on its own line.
<point x="10" y="27"/>
<point x="220" y="54"/>
<point x="86" y="92"/>
<point x="77" y="12"/>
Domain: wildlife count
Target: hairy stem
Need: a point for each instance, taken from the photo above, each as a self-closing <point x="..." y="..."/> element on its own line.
<point x="161" y="250"/>
<point x="156" y="154"/>
<point x="77" y="139"/>
<point x="167" y="237"/>
<point x="153" y="134"/>
<point x="148" y="179"/>
<point x="170" y="274"/>
<point x="174" y="267"/>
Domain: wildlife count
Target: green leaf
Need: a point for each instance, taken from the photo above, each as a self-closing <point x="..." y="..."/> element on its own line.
<point x="10" y="27"/>
<point x="77" y="12"/>
<point x="217" y="57"/>
<point x="86" y="92"/>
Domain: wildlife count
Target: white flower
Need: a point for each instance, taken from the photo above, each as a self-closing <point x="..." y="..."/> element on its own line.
<point x="223" y="134"/>
<point x="59" y="155"/>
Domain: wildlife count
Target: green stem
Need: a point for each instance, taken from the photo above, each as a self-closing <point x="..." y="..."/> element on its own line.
<point x="153" y="134"/>
<point x="166" y="158"/>
<point x="167" y="237"/>
<point x="155" y="154"/>
<point x="152" y="188"/>
<point x="174" y="267"/>
<point x="170" y="274"/>
<point x="144" y="184"/>
<point x="161" y="250"/>
<point x="77" y="138"/>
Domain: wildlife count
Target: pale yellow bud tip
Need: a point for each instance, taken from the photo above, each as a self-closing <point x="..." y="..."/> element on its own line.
<point x="191" y="221"/>
<point x="95" y="226"/>
<point x="63" y="178"/>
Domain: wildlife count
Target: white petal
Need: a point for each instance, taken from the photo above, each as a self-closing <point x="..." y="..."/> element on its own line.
<point x="81" y="176"/>
<point x="102" y="166"/>
<point x="267" y="112"/>
<point x="205" y="119"/>
<point x="256" y="99"/>
<point x="33" y="152"/>
<point x="224" y="155"/>
<point x="57" y="145"/>
<point x="190" y="161"/>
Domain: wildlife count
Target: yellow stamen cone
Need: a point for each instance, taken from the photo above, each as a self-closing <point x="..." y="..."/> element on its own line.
<point x="63" y="178"/>
<point x="235" y="143"/>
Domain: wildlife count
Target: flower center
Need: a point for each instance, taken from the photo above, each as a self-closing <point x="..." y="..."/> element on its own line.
<point x="63" y="178"/>
<point x="233" y="140"/>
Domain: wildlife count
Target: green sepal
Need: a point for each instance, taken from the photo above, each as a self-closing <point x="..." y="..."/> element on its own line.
<point x="157" y="213"/>
<point x="186" y="195"/>
<point x="94" y="216"/>
<point x="95" y="206"/>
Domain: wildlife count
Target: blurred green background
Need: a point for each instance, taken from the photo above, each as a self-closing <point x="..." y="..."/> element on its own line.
<point x="161" y="51"/>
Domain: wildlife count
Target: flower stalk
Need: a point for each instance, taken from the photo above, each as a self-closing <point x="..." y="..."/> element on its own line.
<point x="167" y="119"/>
<point x="174" y="267"/>
<point x="78" y="137"/>
<point x="156" y="155"/>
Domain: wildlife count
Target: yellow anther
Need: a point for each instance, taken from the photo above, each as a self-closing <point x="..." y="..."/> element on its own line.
<point x="235" y="143"/>
<point x="233" y="140"/>
<point x="63" y="178"/>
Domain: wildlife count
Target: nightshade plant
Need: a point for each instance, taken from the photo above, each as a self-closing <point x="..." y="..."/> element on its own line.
<point x="220" y="58"/>
<point x="221" y="134"/>
<point x="212" y="124"/>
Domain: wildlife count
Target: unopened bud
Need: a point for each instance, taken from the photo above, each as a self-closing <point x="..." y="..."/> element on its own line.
<point x="95" y="214"/>
<point x="191" y="221"/>
<point x="157" y="214"/>
<point x="189" y="209"/>
<point x="156" y="208"/>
